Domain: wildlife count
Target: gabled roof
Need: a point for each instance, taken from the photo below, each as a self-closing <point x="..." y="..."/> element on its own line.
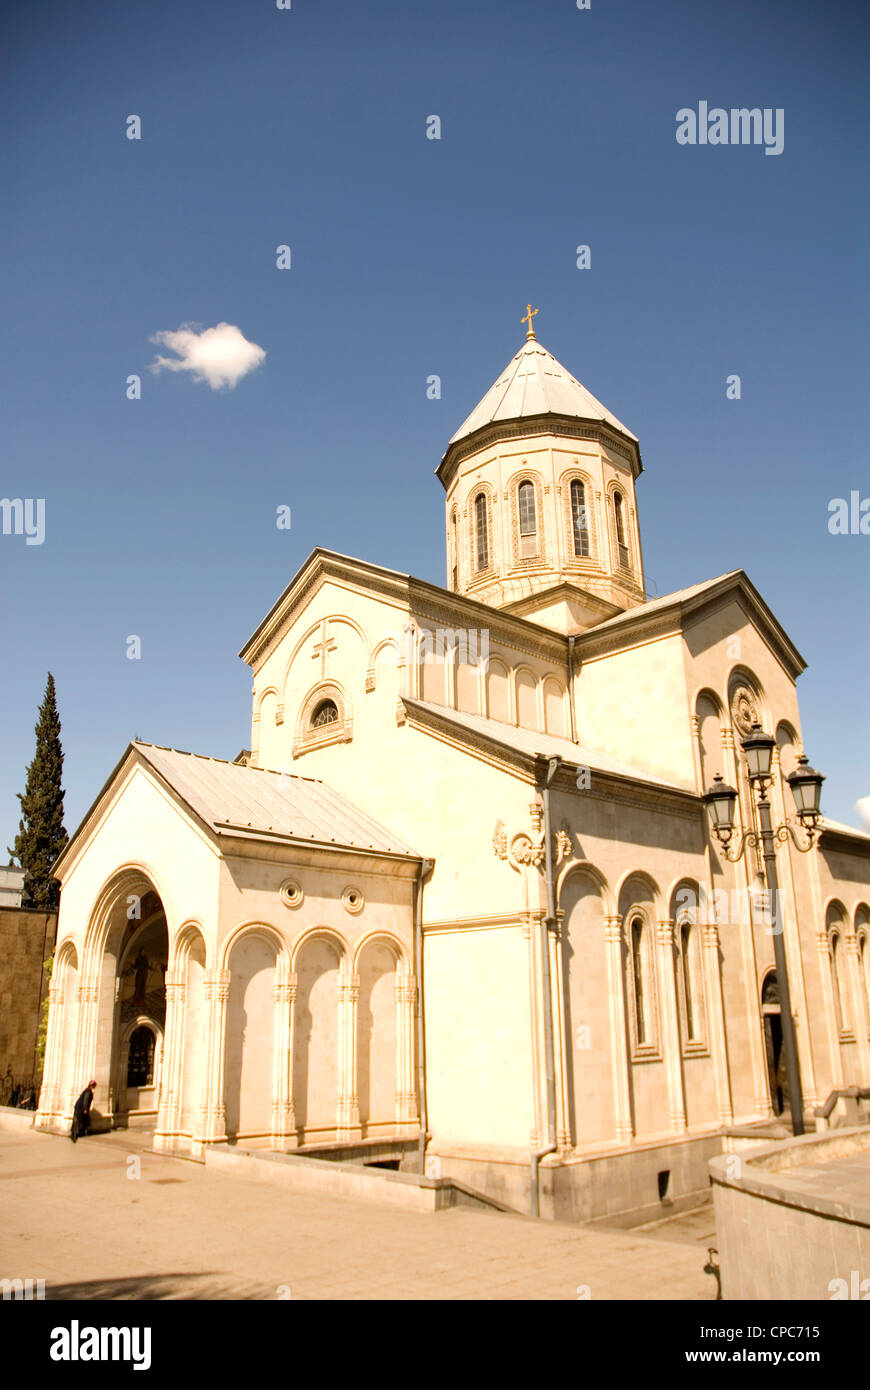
<point x="233" y="800"/>
<point x="681" y="604"/>
<point x="534" y="383"/>
<point x="530" y="743"/>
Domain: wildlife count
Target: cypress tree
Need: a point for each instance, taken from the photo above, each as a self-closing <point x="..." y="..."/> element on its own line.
<point x="41" y="835"/>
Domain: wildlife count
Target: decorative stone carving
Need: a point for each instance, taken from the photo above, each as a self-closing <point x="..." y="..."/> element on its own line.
<point x="564" y="846"/>
<point x="353" y="899"/>
<point x="744" y="708"/>
<point x="524" y="849"/>
<point x="291" y="893"/>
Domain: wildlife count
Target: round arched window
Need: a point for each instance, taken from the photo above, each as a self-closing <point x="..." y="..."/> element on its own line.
<point x="140" y="1063"/>
<point x="324" y="713"/>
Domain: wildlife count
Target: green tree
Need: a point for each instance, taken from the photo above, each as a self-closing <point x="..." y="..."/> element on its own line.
<point x="41" y="835"/>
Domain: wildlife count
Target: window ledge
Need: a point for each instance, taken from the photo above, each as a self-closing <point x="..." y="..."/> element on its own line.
<point x="338" y="732"/>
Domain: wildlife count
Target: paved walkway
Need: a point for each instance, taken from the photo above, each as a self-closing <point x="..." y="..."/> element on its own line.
<point x="73" y="1217"/>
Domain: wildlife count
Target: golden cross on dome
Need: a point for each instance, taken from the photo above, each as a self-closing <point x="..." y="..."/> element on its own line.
<point x="528" y="316"/>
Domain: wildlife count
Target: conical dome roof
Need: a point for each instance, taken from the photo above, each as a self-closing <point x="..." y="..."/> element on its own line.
<point x="534" y="383"/>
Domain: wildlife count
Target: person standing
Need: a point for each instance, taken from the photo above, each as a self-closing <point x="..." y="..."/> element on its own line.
<point x="81" y="1121"/>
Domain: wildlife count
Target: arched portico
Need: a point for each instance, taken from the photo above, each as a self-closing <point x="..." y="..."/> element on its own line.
<point x="98" y="998"/>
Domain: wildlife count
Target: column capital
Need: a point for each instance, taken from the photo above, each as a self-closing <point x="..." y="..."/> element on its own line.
<point x="665" y="931"/>
<point x="612" y="929"/>
<point x="710" y="935"/>
<point x="216" y="985"/>
<point x="406" y="990"/>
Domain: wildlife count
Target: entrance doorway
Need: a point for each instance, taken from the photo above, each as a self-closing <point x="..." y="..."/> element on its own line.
<point x="777" y="1079"/>
<point x="141" y="1012"/>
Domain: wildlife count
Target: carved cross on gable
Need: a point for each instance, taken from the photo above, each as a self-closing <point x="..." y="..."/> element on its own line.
<point x="323" y="648"/>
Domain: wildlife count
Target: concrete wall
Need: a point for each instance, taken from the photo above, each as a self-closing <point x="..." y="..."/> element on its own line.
<point x="781" y="1231"/>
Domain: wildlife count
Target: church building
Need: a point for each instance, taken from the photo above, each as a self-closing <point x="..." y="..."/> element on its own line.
<point x="460" y="901"/>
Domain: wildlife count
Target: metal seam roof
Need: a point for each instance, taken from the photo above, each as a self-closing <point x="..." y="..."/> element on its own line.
<point x="532" y="742"/>
<point x="229" y="796"/>
<point x="535" y="383"/>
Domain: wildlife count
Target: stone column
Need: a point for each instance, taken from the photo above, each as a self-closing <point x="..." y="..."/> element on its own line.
<point x="255" y="739"/>
<point x="169" y="1108"/>
<point x="49" y="1093"/>
<point x="712" y="975"/>
<point x="406" y="1094"/>
<point x="671" y="1024"/>
<point x="86" y="1049"/>
<point x="856" y="989"/>
<point x="347" y="1117"/>
<point x="823" y="948"/>
<point x="618" y="1040"/>
<point x="213" y="1112"/>
<point x="283" y="1110"/>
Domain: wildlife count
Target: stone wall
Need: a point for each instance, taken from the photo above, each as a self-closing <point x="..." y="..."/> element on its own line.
<point x="793" y="1219"/>
<point x="26" y="941"/>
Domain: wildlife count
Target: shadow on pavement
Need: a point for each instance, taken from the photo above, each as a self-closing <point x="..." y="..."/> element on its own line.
<point x="152" y="1286"/>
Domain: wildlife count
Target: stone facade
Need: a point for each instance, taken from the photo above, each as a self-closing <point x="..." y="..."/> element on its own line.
<point x="554" y="971"/>
<point x="26" y="944"/>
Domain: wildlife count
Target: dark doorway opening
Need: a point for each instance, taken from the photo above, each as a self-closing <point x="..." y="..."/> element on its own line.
<point x="777" y="1081"/>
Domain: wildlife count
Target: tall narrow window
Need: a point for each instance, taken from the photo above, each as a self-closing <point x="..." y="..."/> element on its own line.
<point x="527" y="518"/>
<point x="637" y="975"/>
<point x="579" y="521"/>
<point x="454" y="553"/>
<point x="864" y="955"/>
<point x="480" y="531"/>
<point x="619" y="514"/>
<point x="835" y="980"/>
<point x="841" y="985"/>
<point x="685" y="948"/>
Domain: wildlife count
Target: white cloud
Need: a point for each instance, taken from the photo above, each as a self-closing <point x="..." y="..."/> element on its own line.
<point x="863" y="809"/>
<point x="221" y="355"/>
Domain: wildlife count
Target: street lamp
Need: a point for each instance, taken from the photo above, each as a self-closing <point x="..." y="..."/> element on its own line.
<point x="806" y="786"/>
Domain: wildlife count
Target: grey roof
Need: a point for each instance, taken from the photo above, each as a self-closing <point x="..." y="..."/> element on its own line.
<point x="530" y="742"/>
<point x="653" y="605"/>
<point x="234" y="799"/>
<point x="842" y="829"/>
<point x="534" y="383"/>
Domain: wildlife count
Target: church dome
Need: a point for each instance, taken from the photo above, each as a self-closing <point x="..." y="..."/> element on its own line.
<point x="534" y="384"/>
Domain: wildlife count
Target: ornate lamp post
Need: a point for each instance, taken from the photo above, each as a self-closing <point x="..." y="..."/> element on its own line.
<point x="806" y="786"/>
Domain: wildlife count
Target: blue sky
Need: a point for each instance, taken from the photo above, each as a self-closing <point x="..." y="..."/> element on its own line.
<point x="307" y="127"/>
